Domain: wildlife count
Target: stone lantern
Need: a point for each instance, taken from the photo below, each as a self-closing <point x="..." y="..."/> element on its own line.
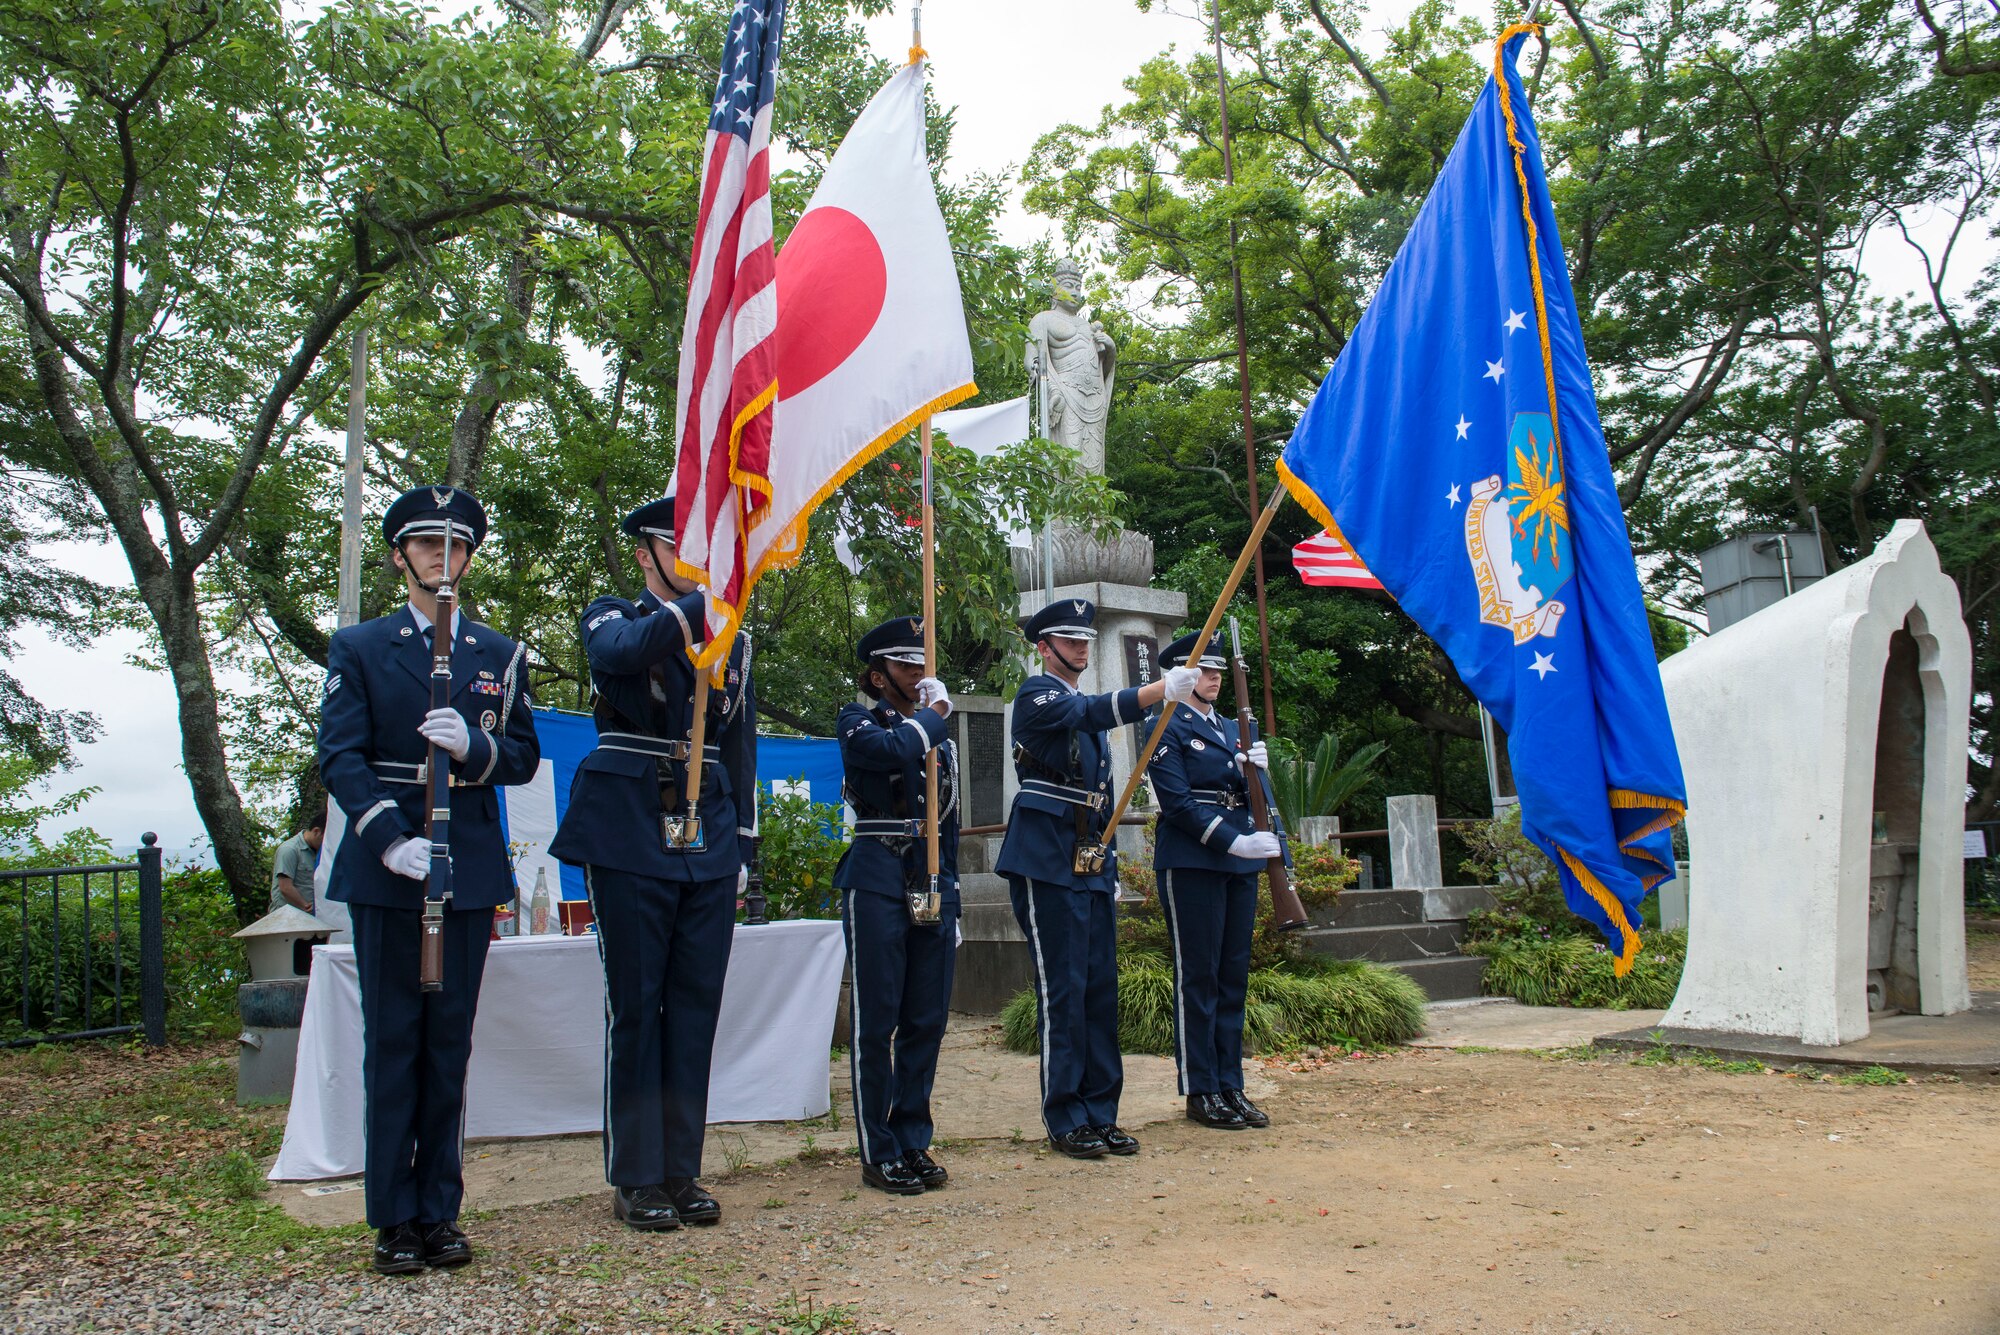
<point x="279" y="946"/>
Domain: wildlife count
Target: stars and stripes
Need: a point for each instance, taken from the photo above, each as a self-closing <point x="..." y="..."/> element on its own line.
<point x="728" y="363"/>
<point x="1325" y="561"/>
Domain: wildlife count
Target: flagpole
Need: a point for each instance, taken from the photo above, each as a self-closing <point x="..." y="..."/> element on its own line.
<point x="1243" y="376"/>
<point x="1208" y="628"/>
<point x="927" y="911"/>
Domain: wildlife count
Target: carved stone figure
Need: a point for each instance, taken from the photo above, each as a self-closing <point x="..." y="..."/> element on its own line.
<point x="1072" y="362"/>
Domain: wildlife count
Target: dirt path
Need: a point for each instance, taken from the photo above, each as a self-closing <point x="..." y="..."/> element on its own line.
<point x="1433" y="1192"/>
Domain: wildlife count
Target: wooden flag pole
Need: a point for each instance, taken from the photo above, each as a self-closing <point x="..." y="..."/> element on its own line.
<point x="929" y="910"/>
<point x="1243" y="373"/>
<point x="1207" y="633"/>
<point x="925" y="905"/>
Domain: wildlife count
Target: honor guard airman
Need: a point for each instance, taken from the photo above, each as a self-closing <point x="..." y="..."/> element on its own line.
<point x="900" y="945"/>
<point x="663" y="880"/>
<point x="376" y="730"/>
<point x="1061" y="866"/>
<point x="1206" y="860"/>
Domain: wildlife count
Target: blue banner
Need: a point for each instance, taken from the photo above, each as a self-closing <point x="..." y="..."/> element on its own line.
<point x="1455" y="447"/>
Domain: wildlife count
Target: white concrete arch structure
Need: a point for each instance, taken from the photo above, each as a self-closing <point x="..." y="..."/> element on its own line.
<point x="1784" y="721"/>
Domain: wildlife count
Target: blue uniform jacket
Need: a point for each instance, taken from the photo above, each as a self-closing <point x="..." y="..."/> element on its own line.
<point x="883" y="753"/>
<point x="645" y="684"/>
<point x="1052" y="718"/>
<point x="378" y="689"/>
<point x="1196" y="778"/>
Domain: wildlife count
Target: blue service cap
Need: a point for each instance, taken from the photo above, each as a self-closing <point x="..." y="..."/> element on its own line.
<point x="899" y="639"/>
<point x="1072" y="618"/>
<point x="654" y="519"/>
<point x="1179" y="651"/>
<point x="428" y="510"/>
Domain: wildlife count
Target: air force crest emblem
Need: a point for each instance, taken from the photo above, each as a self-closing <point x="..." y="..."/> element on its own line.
<point x="1517" y="535"/>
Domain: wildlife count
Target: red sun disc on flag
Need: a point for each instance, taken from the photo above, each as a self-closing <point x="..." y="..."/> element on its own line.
<point x="831" y="265"/>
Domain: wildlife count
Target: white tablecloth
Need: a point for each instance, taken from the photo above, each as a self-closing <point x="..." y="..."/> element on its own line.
<point x="538" y="1042"/>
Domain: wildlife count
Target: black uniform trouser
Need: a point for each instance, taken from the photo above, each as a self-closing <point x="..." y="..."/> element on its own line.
<point x="415" y="1047"/>
<point x="1211" y="917"/>
<point x="1073" y="940"/>
<point x="665" y="946"/>
<point x="899" y="998"/>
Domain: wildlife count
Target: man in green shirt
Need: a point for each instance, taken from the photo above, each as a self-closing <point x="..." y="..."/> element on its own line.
<point x="293" y="866"/>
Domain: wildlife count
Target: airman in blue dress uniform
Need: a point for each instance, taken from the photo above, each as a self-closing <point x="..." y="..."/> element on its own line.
<point x="1207" y="856"/>
<point x="665" y="913"/>
<point x="1070" y="915"/>
<point x="901" y="967"/>
<point x="376" y="729"/>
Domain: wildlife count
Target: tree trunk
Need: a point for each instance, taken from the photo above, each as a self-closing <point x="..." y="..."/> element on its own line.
<point x="235" y="842"/>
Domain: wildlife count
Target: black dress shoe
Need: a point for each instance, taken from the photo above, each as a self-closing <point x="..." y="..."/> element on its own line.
<point x="1251" y="1114"/>
<point x="1082" y="1143"/>
<point x="399" y="1250"/>
<point x="692" y="1202"/>
<point x="644" y="1208"/>
<point x="1214" y="1110"/>
<point x="895" y="1177"/>
<point x="928" y="1170"/>
<point x="445" y="1245"/>
<point x="1116" y="1141"/>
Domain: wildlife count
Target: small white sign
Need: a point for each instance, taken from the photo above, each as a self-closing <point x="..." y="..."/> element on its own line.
<point x="1975" y="844"/>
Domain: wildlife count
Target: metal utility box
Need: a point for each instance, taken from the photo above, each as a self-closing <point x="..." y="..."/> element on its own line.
<point x="1750" y="571"/>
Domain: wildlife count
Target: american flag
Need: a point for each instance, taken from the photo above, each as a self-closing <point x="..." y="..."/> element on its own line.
<point x="1325" y="560"/>
<point x="728" y="370"/>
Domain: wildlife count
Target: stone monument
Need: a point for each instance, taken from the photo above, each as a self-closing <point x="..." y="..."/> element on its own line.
<point x="1071" y="364"/>
<point x="1824" y="743"/>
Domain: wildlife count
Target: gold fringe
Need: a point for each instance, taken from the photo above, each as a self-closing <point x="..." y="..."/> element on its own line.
<point x="1672" y="812"/>
<point x="1615" y="911"/>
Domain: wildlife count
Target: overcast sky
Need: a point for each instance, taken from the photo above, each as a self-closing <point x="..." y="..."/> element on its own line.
<point x="1014" y="70"/>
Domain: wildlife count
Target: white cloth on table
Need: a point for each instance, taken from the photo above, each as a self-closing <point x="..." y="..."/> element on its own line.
<point x="538" y="1042"/>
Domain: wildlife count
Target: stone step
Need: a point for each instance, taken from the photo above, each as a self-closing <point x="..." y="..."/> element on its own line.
<point x="1372" y="908"/>
<point x="1445" y="978"/>
<point x="1404" y="941"/>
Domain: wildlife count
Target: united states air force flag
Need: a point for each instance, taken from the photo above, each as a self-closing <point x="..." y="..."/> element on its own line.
<point x="1455" y="446"/>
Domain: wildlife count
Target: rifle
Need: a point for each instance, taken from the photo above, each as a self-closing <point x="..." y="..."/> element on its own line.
<point x="1287" y="913"/>
<point x="437" y="775"/>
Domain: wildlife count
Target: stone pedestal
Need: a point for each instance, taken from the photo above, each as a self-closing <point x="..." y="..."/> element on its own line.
<point x="1415" y="862"/>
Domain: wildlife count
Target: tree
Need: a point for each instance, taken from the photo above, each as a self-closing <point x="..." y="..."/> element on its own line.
<point x="1720" y="172"/>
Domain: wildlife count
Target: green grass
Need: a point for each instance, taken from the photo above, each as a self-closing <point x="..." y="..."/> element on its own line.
<point x="1662" y="1053"/>
<point x="1344" y="1003"/>
<point x="1870" y="1075"/>
<point x="108" y="1151"/>
<point x="1577" y="971"/>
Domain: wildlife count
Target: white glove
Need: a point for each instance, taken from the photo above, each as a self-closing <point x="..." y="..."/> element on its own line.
<point x="1257" y="755"/>
<point x="742" y="881"/>
<point x="1180" y="683"/>
<point x="931" y="691"/>
<point x="1258" y="846"/>
<point x="446" y="728"/>
<point x="409" y="857"/>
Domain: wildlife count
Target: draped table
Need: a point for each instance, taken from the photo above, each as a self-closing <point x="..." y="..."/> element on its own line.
<point x="538" y="1042"/>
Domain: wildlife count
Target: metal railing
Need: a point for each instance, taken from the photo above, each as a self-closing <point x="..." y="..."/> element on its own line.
<point x="74" y="969"/>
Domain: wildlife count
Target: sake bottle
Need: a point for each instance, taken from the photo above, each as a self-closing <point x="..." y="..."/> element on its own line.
<point x="539" y="906"/>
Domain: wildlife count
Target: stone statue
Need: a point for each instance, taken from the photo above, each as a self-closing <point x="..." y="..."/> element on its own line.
<point x="1072" y="363"/>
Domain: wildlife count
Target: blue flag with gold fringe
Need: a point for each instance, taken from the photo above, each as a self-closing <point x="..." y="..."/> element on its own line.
<point x="1455" y="447"/>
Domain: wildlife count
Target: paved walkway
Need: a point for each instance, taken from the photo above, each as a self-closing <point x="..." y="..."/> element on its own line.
<point x="984" y="1092"/>
<point x="1508" y="1026"/>
<point x="1966" y="1044"/>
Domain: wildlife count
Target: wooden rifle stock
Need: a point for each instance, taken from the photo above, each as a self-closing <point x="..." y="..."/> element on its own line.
<point x="1288" y="914"/>
<point x="437" y="779"/>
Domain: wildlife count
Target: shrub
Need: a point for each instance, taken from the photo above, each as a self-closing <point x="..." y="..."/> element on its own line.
<point x="1525" y="883"/>
<point x="1576" y="971"/>
<point x="1297" y="1004"/>
<point x="799" y="849"/>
